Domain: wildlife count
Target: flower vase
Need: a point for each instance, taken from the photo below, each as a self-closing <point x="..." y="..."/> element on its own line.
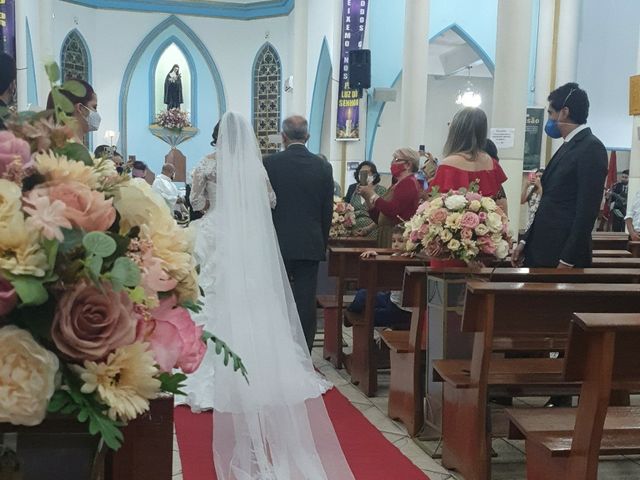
<point x="446" y="263"/>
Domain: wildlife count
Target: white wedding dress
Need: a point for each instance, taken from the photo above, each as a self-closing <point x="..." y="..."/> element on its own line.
<point x="275" y="427"/>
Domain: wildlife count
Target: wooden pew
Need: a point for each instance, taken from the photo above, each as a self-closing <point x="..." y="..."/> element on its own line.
<point x="609" y="240"/>
<point x="634" y="248"/>
<point x="612" y="253"/>
<point x="518" y="316"/>
<point x="608" y="262"/>
<point x="353" y="242"/>
<point x="565" y="443"/>
<point x="343" y="264"/>
<point x="407" y="348"/>
<point x="381" y="273"/>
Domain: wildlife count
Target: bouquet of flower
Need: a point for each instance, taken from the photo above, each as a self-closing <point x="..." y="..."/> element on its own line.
<point x="343" y="220"/>
<point x="96" y="283"/>
<point x="460" y="224"/>
<point x="173" y="119"/>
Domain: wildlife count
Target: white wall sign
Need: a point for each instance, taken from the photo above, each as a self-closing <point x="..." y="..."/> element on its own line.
<point x="503" y="137"/>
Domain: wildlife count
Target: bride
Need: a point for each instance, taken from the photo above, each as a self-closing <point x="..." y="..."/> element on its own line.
<point x="274" y="427"/>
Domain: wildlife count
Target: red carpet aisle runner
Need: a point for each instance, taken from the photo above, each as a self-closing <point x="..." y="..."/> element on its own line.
<point x="370" y="455"/>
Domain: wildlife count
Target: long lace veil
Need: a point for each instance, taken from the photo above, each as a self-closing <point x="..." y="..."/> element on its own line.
<point x="276" y="427"/>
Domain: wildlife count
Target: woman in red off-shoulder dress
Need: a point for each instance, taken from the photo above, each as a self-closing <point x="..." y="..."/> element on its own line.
<point x="465" y="159"/>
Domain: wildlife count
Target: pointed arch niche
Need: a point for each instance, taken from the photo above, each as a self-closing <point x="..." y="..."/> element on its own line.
<point x="75" y="60"/>
<point x="173" y="52"/>
<point x="138" y="85"/>
<point x="267" y="96"/>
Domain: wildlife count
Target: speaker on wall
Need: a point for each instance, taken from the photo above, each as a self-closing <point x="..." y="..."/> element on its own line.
<point x="360" y="69"/>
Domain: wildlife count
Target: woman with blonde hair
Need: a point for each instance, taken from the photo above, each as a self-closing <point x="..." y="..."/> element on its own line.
<point x="465" y="159"/>
<point x="400" y="202"/>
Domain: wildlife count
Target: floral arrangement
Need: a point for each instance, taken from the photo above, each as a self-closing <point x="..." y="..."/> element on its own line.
<point x="174" y="119"/>
<point x="460" y="224"/>
<point x="96" y="283"/>
<point x="343" y="220"/>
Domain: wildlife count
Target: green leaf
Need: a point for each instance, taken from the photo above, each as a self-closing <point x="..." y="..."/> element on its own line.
<point x="53" y="72"/>
<point x="83" y="416"/>
<point x="74" y="87"/>
<point x="59" y="399"/>
<point x="94" y="265"/>
<point x="99" y="244"/>
<point x="61" y="102"/>
<point x="51" y="249"/>
<point x="195" y="307"/>
<point x="137" y="295"/>
<point x="220" y="346"/>
<point x="172" y="383"/>
<point x="72" y="240"/>
<point x="30" y="290"/>
<point x="125" y="272"/>
<point x="75" y="151"/>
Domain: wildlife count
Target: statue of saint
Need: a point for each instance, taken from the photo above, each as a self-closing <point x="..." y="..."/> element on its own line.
<point x="173" y="88"/>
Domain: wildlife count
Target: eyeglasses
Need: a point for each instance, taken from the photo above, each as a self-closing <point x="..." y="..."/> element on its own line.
<point x="400" y="160"/>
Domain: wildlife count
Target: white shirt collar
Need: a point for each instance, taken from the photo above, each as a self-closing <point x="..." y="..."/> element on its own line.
<point x="576" y="131"/>
<point x="165" y="178"/>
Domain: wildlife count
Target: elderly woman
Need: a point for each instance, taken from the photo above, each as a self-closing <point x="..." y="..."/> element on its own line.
<point x="400" y="202"/>
<point x="364" y="226"/>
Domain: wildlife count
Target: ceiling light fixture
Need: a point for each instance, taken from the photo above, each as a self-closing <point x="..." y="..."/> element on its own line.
<point x="469" y="97"/>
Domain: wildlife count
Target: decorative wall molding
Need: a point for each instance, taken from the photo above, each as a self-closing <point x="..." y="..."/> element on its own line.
<point x="238" y="11"/>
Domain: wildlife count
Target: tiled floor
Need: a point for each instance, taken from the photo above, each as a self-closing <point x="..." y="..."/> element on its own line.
<point x="508" y="465"/>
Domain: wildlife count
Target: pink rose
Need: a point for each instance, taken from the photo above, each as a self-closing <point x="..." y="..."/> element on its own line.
<point x="482" y="216"/>
<point x="434" y="249"/>
<point x="466" y="234"/>
<point x="8" y="297"/>
<point x="85" y="208"/>
<point x="415" y="236"/>
<point x="175" y="339"/>
<point x="154" y="277"/>
<point x="90" y="322"/>
<point x="439" y="216"/>
<point x="13" y="151"/>
<point x="469" y="220"/>
<point x="486" y="245"/>
<point x="473" y="196"/>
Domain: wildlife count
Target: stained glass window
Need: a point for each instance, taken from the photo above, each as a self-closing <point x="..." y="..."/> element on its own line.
<point x="267" y="75"/>
<point x="75" y="58"/>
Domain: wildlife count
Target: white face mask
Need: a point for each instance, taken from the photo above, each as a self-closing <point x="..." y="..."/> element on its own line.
<point x="370" y="179"/>
<point x="93" y="119"/>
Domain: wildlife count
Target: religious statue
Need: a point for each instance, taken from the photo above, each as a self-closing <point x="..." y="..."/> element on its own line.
<point x="173" y="88"/>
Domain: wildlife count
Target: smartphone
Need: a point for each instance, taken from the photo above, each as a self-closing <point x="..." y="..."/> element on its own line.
<point x="421" y="148"/>
<point x="363" y="178"/>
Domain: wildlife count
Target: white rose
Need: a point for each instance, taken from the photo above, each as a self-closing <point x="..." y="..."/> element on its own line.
<point x="27" y="377"/>
<point x="488" y="204"/>
<point x="455" y="202"/>
<point x="453" y="220"/>
<point x="436" y="203"/>
<point x="474" y="205"/>
<point x="446" y="235"/>
<point x="453" y="245"/>
<point x="494" y="222"/>
<point x="482" y="229"/>
<point x="502" y="249"/>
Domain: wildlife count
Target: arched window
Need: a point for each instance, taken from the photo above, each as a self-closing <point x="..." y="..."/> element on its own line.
<point x="75" y="58"/>
<point x="267" y="76"/>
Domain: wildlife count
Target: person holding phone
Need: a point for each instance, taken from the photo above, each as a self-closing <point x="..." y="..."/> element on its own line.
<point x="531" y="194"/>
<point x="365" y="174"/>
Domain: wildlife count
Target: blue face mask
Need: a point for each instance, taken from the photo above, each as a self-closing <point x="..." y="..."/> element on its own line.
<point x="551" y="128"/>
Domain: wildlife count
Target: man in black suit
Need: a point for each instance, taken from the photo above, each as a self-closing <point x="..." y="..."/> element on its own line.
<point x="617" y="197"/>
<point x="303" y="184"/>
<point x="572" y="188"/>
<point x="7" y="84"/>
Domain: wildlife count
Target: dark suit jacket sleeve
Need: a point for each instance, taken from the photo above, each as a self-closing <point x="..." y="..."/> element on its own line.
<point x="327" y="204"/>
<point x="591" y="172"/>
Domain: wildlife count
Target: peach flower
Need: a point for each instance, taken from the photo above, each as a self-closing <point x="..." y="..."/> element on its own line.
<point x="27" y="377"/>
<point x="469" y="220"/>
<point x="439" y="216"/>
<point x="91" y="322"/>
<point x="86" y="209"/>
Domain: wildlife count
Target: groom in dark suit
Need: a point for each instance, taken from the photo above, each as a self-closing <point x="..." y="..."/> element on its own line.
<point x="572" y="188"/>
<point x="303" y="184"/>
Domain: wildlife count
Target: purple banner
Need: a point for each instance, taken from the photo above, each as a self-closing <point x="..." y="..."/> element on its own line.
<point x="8" y="27"/>
<point x="354" y="19"/>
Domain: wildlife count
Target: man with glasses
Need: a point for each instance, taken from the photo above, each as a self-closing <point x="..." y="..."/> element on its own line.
<point x="572" y="186"/>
